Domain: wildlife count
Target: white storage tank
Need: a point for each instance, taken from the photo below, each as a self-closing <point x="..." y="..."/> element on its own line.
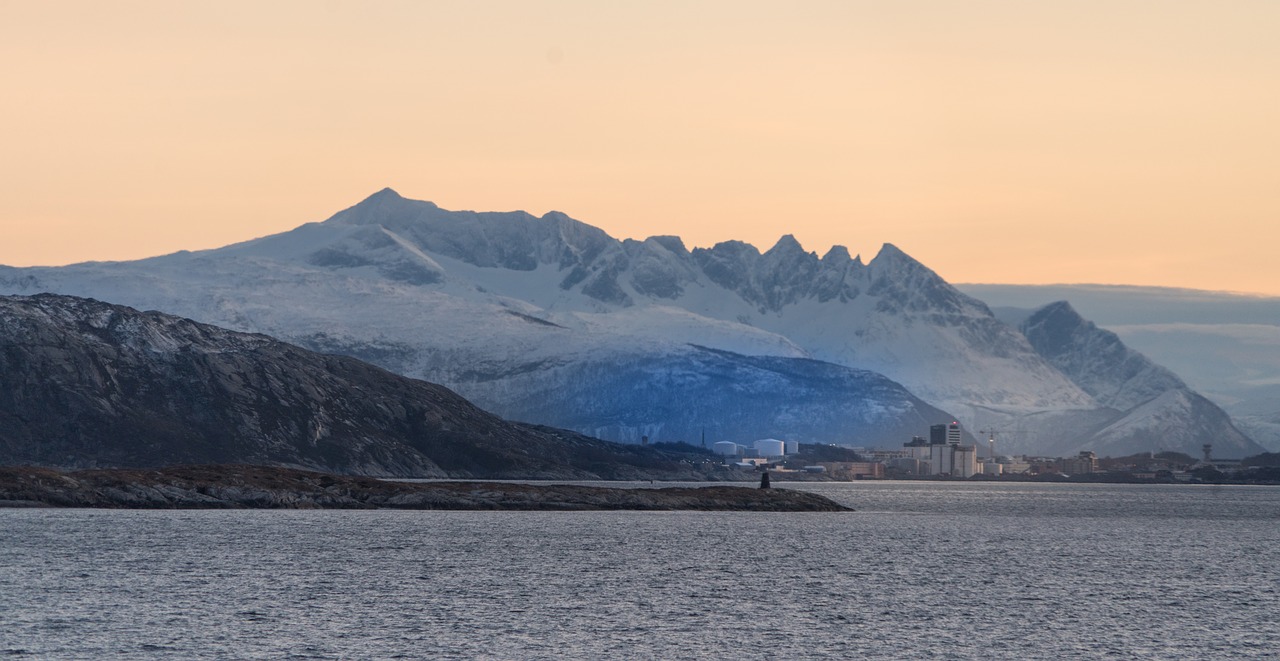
<point x="793" y="447"/>
<point x="725" y="448"/>
<point x="770" y="447"/>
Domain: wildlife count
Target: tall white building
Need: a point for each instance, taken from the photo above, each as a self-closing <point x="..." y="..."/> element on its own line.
<point x="942" y="453"/>
<point x="964" y="460"/>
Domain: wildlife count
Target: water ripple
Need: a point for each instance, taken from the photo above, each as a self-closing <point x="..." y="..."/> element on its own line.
<point x="935" y="571"/>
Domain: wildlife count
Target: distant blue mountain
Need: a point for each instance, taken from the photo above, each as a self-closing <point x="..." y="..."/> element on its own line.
<point x="1224" y="345"/>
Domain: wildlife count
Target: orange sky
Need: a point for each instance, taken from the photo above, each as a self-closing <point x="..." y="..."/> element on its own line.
<point x="996" y="141"/>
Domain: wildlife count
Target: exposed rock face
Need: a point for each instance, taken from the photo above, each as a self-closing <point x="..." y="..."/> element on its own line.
<point x="260" y="487"/>
<point x="1154" y="408"/>
<point x="1096" y="359"/>
<point x="1236" y="339"/>
<point x="84" y="384"/>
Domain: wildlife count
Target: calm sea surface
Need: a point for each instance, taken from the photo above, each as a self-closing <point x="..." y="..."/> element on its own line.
<point x="922" y="570"/>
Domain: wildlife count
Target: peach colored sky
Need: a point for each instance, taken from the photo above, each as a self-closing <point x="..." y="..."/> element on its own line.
<point x="996" y="141"/>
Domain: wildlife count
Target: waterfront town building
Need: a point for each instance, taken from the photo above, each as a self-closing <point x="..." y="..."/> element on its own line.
<point x="1083" y="463"/>
<point x="941" y="454"/>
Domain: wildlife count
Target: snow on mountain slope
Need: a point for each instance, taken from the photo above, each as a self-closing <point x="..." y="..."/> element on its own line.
<point x="611" y="375"/>
<point x="893" y="315"/>
<point x="90" y="384"/>
<point x="1236" y="361"/>
<point x="1096" y="359"/>
<point x="477" y="300"/>
<point x="1179" y="420"/>
<point x="1157" y="408"/>
<point x="696" y="391"/>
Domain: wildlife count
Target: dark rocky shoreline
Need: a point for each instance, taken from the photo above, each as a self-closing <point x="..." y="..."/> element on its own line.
<point x="262" y="487"/>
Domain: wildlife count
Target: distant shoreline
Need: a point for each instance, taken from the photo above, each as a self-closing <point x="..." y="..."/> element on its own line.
<point x="1096" y="478"/>
<point x="262" y="487"/>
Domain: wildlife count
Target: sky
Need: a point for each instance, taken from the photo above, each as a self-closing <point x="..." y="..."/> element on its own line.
<point x="1114" y="142"/>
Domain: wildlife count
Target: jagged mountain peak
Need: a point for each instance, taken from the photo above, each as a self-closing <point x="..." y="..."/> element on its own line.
<point x="789" y="256"/>
<point x="904" y="283"/>
<point x="411" y="285"/>
<point x="892" y="268"/>
<point x="514" y="240"/>
<point x="732" y="247"/>
<point x="1059" y="313"/>
<point x="383" y="207"/>
<point x="387" y="193"/>
<point x="787" y="245"/>
<point x="1096" y="359"/>
<point x="612" y="272"/>
<point x="1054" y="328"/>
<point x="838" y="255"/>
<point x="891" y="256"/>
<point x="673" y="244"/>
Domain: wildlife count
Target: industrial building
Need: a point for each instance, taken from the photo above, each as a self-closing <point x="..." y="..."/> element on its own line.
<point x="851" y="470"/>
<point x="726" y="448"/>
<point x="941" y="454"/>
<point x="759" y="453"/>
<point x="1085" y="462"/>
<point x="770" y="448"/>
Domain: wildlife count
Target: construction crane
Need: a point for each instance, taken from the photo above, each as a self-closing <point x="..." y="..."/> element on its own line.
<point x="991" y="440"/>
<point x="991" y="437"/>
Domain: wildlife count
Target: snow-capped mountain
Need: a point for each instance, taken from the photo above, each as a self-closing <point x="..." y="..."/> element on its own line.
<point x="531" y="316"/>
<point x="893" y="315"/>
<point x="1096" y="359"/>
<point x="1236" y="339"/>
<point x="1154" y="408"/>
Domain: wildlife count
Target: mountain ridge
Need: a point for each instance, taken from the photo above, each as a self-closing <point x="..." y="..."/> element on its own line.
<point x="1236" y="361"/>
<point x="86" y="384"/>
<point x="1125" y="380"/>
<point x="432" y="293"/>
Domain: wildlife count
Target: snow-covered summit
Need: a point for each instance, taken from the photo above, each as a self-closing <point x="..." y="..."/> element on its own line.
<point x="1161" y="409"/>
<point x="1096" y="359"/>
<point x="473" y="299"/>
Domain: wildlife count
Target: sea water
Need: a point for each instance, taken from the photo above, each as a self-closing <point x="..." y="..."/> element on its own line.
<point x="922" y="570"/>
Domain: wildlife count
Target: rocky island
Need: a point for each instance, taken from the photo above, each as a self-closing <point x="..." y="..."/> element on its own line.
<point x="265" y="487"/>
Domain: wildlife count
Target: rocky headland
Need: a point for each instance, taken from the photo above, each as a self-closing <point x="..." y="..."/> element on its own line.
<point x="86" y="384"/>
<point x="264" y="487"/>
